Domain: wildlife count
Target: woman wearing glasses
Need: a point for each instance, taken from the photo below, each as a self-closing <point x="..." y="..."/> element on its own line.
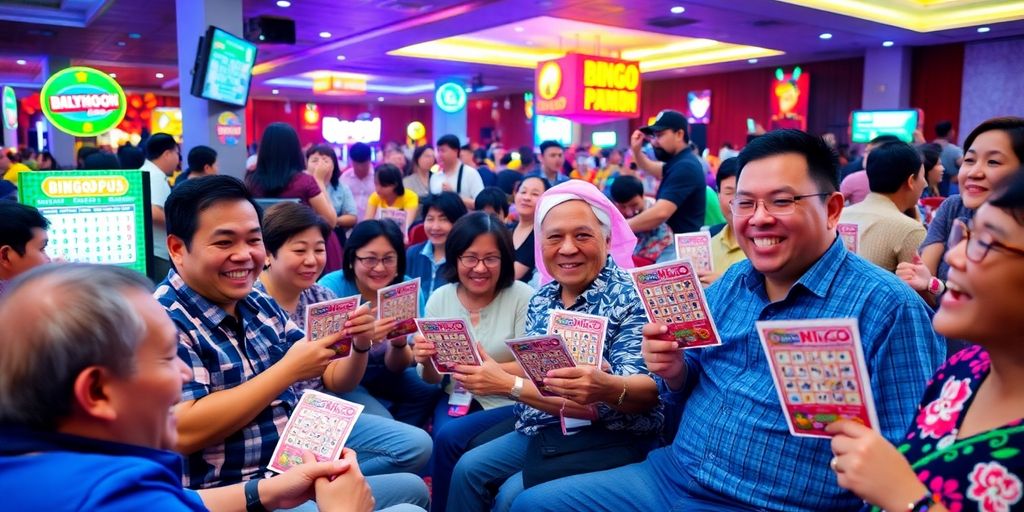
<point x="375" y="258"/>
<point x="479" y="265"/>
<point x="964" y="449"/>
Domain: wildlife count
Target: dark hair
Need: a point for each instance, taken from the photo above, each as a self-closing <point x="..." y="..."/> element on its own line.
<point x="625" y="188"/>
<point x="729" y="168"/>
<point x="101" y="161"/>
<point x="131" y="157"/>
<point x="158" y="144"/>
<point x="942" y="128"/>
<point x="49" y="156"/>
<point x="449" y="140"/>
<point x="279" y="160"/>
<point x="199" y="157"/>
<point x="287" y="219"/>
<point x="360" y="152"/>
<point x="505" y="159"/>
<point x="416" y="154"/>
<point x="390" y="175"/>
<point x="18" y="221"/>
<point x="930" y="152"/>
<point x="544" y="146"/>
<point x="544" y="181"/>
<point x="890" y="165"/>
<point x="480" y="156"/>
<point x="189" y="199"/>
<point x="1010" y="196"/>
<point x="883" y="139"/>
<point x="465" y="232"/>
<point x="822" y="161"/>
<point x="449" y="203"/>
<point x="493" y="197"/>
<point x="466" y="147"/>
<point x="526" y="156"/>
<point x="325" y="150"/>
<point x="364" y="233"/>
<point x="1012" y="126"/>
<point x="84" y="152"/>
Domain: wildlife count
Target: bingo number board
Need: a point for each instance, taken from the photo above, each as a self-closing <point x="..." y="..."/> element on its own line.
<point x="95" y="216"/>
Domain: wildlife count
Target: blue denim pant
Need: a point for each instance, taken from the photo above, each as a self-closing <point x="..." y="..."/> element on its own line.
<point x="453" y="436"/>
<point x="386" y="446"/>
<point x="499" y="462"/>
<point x="401" y="492"/>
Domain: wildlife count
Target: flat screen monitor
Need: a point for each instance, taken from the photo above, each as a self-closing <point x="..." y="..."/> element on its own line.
<point x="868" y="124"/>
<point x="223" y="69"/>
<point x="554" y="128"/>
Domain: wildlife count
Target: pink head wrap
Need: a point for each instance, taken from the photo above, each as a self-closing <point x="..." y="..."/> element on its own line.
<point x="622" y="240"/>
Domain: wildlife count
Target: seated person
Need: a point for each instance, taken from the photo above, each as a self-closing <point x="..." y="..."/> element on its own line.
<point x="391" y="193"/>
<point x="250" y="361"/>
<point x="585" y="244"/>
<point x="23" y="240"/>
<point x="88" y="380"/>
<point x="493" y="201"/>
<point x="440" y="211"/>
<point x="628" y="194"/>
<point x="733" y="449"/>
<point x="725" y="251"/>
<point x="526" y="197"/>
<point x="962" y="449"/>
<point x="887" y="237"/>
<point x="374" y="259"/>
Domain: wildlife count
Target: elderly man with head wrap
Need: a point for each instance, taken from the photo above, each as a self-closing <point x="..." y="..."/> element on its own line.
<point x="584" y="243"/>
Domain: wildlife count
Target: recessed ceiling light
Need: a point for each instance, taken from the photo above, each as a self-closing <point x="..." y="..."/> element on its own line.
<point x="422" y="100"/>
<point x="134" y="35"/>
<point x="677" y="9"/>
<point x="21" y="62"/>
<point x="982" y="30"/>
<point x="825" y="35"/>
<point x="380" y="98"/>
<point x="679" y="70"/>
<point x="887" y="43"/>
<point x="519" y="29"/>
<point x="284" y="3"/>
<point x="122" y="43"/>
<point x="340" y="57"/>
<point x="275" y="91"/>
<point x="112" y="75"/>
<point x="159" y="75"/>
<point x="325" y="35"/>
<point x="752" y="61"/>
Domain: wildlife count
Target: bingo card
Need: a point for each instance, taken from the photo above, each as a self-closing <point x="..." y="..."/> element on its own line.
<point x="850" y="233"/>
<point x="819" y="372"/>
<point x="401" y="301"/>
<point x="320" y="423"/>
<point x="326" y="318"/>
<point x="396" y="215"/>
<point x="452" y="340"/>
<point x="696" y="247"/>
<point x="540" y="354"/>
<point x="583" y="335"/>
<point x="672" y="295"/>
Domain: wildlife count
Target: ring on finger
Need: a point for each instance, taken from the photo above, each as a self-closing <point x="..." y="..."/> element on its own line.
<point x="834" y="464"/>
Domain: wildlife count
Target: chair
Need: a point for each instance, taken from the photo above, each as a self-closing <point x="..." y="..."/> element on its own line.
<point x="417" y="234"/>
<point x="640" y="261"/>
<point x="932" y="202"/>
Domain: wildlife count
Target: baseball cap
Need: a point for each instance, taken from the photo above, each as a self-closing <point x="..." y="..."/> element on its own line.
<point x="667" y="120"/>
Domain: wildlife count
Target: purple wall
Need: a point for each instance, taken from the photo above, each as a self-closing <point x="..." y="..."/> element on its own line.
<point x="993" y="83"/>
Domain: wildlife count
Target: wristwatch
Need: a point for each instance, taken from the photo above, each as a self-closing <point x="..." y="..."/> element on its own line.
<point x="936" y="286"/>
<point x="517" y="388"/>
<point x="252" y="496"/>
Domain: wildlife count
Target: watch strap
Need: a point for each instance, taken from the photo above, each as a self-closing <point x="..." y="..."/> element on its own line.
<point x="252" y="496"/>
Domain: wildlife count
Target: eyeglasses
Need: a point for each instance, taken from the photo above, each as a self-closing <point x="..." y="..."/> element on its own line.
<point x="371" y="262"/>
<point x="473" y="261"/>
<point x="977" y="249"/>
<point x="777" y="206"/>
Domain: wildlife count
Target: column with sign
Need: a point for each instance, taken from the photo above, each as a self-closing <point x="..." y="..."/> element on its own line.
<point x="450" y="99"/>
<point x="10" y="115"/>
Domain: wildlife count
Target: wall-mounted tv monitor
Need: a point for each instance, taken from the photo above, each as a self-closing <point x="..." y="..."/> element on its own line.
<point x="868" y="124"/>
<point x="223" y="69"/>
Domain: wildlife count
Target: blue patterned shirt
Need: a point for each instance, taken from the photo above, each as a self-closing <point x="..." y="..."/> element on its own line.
<point x="223" y="353"/>
<point x="733" y="441"/>
<point x="610" y="295"/>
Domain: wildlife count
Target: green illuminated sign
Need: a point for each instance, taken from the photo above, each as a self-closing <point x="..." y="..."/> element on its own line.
<point x="450" y="97"/>
<point x="10" y="108"/>
<point x="83" y="102"/>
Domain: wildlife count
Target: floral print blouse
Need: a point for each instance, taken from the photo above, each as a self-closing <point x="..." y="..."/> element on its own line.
<point x="977" y="473"/>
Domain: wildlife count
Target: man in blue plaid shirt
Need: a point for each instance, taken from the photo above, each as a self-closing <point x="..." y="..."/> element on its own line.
<point x="733" y="449"/>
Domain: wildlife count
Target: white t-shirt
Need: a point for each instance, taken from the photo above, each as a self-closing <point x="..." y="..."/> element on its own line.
<point x="471" y="182"/>
<point x="158" y="192"/>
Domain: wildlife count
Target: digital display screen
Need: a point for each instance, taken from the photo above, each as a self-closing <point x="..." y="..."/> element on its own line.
<point x="553" y="128"/>
<point x="603" y="139"/>
<point x="868" y="124"/>
<point x="228" y="71"/>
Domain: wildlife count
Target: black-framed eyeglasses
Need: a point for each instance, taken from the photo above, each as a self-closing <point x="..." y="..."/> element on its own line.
<point x="473" y="261"/>
<point x="977" y="249"/>
<point x="371" y="262"/>
<point x="782" y="205"/>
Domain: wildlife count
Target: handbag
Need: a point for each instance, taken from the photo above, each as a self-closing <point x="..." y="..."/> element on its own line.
<point x="551" y="455"/>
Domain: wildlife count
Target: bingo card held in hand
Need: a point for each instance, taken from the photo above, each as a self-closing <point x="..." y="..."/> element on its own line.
<point x="320" y="423"/>
<point x="696" y="247"/>
<point x="583" y="335"/>
<point x="452" y="340"/>
<point x="540" y="354"/>
<point x="672" y="295"/>
<point x="819" y="372"/>
<point x="402" y="302"/>
<point x="850" y="233"/>
<point x="396" y="215"/>
<point x="328" y="317"/>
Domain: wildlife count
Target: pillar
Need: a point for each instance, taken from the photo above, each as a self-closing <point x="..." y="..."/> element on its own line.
<point x="450" y="100"/>
<point x="886" y="79"/>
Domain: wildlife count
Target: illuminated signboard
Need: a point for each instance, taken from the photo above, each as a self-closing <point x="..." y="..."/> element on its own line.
<point x="698" y="104"/>
<point x="554" y="128"/>
<point x="588" y="89"/>
<point x="603" y="139"/>
<point x="868" y="124"/>
<point x="338" y="131"/>
<point x="450" y="97"/>
<point x="229" y="128"/>
<point x="790" y="94"/>
<point x="10" y="108"/>
<point x="416" y="131"/>
<point x="339" y="84"/>
<point x="83" y="102"/>
<point x="166" y="120"/>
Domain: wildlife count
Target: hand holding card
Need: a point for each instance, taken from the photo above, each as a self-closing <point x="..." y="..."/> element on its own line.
<point x="321" y="424"/>
<point x="401" y="302"/>
<point x="673" y="295"/>
<point x="540" y="354"/>
<point x="326" y="318"/>
<point x="452" y="341"/>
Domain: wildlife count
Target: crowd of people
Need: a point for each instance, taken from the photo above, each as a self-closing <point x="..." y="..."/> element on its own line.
<point x="127" y="395"/>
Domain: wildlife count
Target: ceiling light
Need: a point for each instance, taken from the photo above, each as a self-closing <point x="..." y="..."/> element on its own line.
<point x="380" y="98"/>
<point x="21" y="62"/>
<point x="825" y="36"/>
<point x="422" y="100"/>
<point x="275" y="91"/>
<point x="325" y="35"/>
<point x="982" y="30"/>
<point x="519" y="29"/>
<point x="887" y="43"/>
<point x="677" y="9"/>
<point x="340" y="57"/>
<point x="284" y="3"/>
<point x="122" y="43"/>
<point x="159" y="75"/>
<point x="134" y="35"/>
<point x="752" y="61"/>
<point x="112" y="75"/>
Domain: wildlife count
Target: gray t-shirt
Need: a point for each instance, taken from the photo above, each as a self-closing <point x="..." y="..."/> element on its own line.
<point x="942" y="222"/>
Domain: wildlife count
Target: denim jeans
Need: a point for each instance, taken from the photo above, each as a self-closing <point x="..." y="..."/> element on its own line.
<point x="386" y="446"/>
<point x="453" y="436"/>
<point x="499" y="462"/>
<point x="408" y="399"/>
<point x="401" y="492"/>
